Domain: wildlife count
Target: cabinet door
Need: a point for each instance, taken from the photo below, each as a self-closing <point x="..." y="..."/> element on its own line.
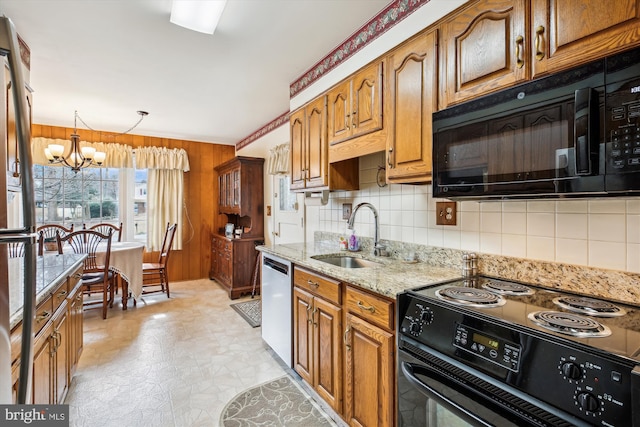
<point x="42" y="369"/>
<point x="235" y="193"/>
<point x="298" y="142"/>
<point x="327" y="354"/>
<point x="366" y="100"/>
<point x="317" y="161"/>
<point x="483" y="49"/>
<point x="339" y="114"/>
<point x="214" y="259"/>
<point x="60" y="338"/>
<point x="302" y="336"/>
<point x="76" y="321"/>
<point x="565" y="33"/>
<point x="411" y="96"/>
<point x="369" y="380"/>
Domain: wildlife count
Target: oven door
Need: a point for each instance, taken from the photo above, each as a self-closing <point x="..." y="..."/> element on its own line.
<point x="427" y="398"/>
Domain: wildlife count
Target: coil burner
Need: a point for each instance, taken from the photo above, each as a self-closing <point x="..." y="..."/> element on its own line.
<point x="507" y="288"/>
<point x="589" y="306"/>
<point x="470" y="297"/>
<point x="571" y="324"/>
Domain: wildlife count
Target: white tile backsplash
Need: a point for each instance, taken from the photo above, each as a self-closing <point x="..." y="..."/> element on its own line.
<point x="602" y="233"/>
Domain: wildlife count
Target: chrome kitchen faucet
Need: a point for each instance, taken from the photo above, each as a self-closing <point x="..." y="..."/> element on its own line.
<point x="378" y="249"/>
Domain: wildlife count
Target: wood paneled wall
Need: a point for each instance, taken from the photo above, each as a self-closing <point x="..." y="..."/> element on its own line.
<point x="200" y="192"/>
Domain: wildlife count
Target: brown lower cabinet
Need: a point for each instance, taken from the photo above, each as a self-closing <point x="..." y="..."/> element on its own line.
<point x="233" y="264"/>
<point x="344" y="347"/>
<point x="57" y="344"/>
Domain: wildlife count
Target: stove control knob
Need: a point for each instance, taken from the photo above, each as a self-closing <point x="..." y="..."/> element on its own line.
<point x="414" y="328"/>
<point x="426" y="316"/>
<point x="588" y="402"/>
<point x="571" y="370"/>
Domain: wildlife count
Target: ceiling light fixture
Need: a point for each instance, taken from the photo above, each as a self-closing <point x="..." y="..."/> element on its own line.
<point x="197" y="15"/>
<point x="81" y="157"/>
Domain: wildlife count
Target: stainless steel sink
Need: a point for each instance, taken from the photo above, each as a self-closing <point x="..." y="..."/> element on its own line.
<point x="346" y="261"/>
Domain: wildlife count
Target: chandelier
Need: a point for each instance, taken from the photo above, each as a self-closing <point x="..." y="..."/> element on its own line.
<point x="81" y="157"/>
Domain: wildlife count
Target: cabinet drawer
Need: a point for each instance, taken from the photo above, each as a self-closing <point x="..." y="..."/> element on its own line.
<point x="43" y="314"/>
<point x="374" y="309"/>
<point x="73" y="280"/>
<point x="324" y="287"/>
<point x="59" y="295"/>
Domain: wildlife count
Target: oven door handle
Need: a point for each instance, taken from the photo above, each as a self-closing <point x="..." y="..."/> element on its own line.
<point x="408" y="371"/>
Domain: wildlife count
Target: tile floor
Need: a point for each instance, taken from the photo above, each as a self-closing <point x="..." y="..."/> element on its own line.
<point x="167" y="362"/>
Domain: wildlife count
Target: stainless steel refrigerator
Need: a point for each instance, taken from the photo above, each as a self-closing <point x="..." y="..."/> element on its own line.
<point x="17" y="220"/>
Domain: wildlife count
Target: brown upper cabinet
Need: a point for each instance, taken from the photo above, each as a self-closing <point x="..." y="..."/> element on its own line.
<point x="310" y="168"/>
<point x="309" y="145"/>
<point x="240" y="193"/>
<point x="354" y="116"/>
<point x="411" y="98"/>
<point x="483" y="49"/>
<point x="566" y="33"/>
<point x="355" y="105"/>
<point x="492" y="44"/>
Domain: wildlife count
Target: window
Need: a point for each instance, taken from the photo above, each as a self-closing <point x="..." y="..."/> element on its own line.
<point x="140" y="220"/>
<point x="63" y="197"/>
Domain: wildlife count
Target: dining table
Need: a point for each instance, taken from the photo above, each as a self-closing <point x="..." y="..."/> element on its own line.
<point x="126" y="261"/>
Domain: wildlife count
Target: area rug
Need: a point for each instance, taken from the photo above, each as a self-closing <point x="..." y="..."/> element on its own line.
<point x="251" y="311"/>
<point x="277" y="403"/>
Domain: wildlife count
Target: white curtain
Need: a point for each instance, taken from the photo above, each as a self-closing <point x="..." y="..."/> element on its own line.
<point x="278" y="161"/>
<point x="165" y="191"/>
<point x="118" y="155"/>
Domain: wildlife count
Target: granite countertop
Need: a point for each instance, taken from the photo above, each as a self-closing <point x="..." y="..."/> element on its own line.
<point x="51" y="270"/>
<point x="390" y="278"/>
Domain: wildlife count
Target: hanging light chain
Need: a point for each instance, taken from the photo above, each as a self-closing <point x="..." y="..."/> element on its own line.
<point x="142" y="114"/>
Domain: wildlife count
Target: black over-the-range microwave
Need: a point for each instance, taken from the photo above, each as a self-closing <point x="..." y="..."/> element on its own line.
<point x="572" y="134"/>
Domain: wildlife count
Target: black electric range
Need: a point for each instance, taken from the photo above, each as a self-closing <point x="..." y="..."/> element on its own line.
<point x="536" y="356"/>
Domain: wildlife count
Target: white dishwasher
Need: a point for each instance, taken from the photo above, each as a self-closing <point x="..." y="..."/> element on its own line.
<point x="276" y="305"/>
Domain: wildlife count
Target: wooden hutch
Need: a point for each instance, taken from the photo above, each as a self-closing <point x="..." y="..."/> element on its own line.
<point x="241" y="199"/>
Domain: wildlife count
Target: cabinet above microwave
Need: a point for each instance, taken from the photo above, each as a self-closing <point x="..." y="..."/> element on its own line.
<point x="576" y="133"/>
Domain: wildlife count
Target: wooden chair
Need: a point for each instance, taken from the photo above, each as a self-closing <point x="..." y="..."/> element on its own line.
<point x="155" y="273"/>
<point x="104" y="228"/>
<point x="15" y="249"/>
<point x="49" y="232"/>
<point x="95" y="276"/>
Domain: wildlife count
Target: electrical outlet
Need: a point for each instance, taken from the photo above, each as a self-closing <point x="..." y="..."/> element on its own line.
<point x="346" y="210"/>
<point x="446" y="213"/>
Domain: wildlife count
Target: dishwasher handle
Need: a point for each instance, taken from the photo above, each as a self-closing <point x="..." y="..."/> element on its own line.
<point x="275" y="265"/>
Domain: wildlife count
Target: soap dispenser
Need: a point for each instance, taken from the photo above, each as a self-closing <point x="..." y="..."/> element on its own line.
<point x="354" y="244"/>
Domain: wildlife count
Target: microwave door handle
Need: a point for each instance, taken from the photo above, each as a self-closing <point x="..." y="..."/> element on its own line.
<point x="9" y="46"/>
<point x="586" y="129"/>
<point x="431" y="393"/>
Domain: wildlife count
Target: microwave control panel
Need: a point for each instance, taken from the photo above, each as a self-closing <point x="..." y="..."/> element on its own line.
<point x="623" y="129"/>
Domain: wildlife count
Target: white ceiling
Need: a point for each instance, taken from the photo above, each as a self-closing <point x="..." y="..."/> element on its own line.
<point x="109" y="58"/>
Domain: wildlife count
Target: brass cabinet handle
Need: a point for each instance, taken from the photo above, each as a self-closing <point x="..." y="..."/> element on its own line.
<point x="364" y="307"/>
<point x="309" y="308"/>
<point x="313" y="317"/>
<point x="389" y="157"/>
<point x="346" y="121"/>
<point x="77" y="276"/>
<point x="346" y="339"/>
<point x="353" y="120"/>
<point x="45" y="315"/>
<point x="539" y="33"/>
<point x="314" y="284"/>
<point x="62" y="294"/>
<point x="519" y="61"/>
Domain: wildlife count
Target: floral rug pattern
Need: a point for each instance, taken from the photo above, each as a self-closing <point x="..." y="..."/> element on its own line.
<point x="277" y="403"/>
